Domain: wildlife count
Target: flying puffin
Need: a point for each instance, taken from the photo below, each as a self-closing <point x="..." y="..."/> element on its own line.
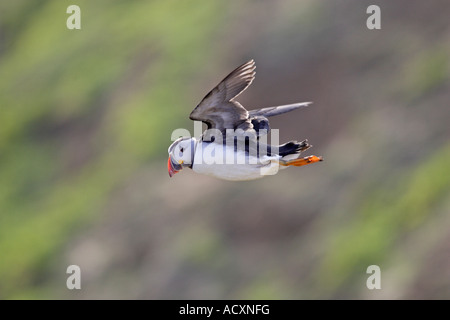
<point x="233" y="146"/>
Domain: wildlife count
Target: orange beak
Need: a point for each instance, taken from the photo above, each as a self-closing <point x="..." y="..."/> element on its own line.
<point x="170" y="168"/>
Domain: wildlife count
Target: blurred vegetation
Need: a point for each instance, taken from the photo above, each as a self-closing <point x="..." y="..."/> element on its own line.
<point x="385" y="215"/>
<point x="86" y="117"/>
<point x="52" y="80"/>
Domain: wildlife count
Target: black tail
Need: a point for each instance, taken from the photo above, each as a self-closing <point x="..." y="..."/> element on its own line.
<point x="293" y="147"/>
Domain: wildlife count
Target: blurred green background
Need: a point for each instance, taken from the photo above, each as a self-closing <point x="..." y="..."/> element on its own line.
<point x="86" y="118"/>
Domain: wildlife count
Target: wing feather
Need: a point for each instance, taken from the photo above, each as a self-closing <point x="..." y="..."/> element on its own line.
<point x="218" y="108"/>
<point x="274" y="111"/>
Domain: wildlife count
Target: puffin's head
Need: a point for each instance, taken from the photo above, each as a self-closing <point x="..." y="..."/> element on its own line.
<point x="181" y="154"/>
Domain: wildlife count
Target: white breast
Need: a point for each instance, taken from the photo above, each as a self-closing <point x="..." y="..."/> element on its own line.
<point x="223" y="162"/>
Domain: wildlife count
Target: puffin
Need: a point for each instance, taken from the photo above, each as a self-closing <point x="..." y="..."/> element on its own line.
<point x="234" y="146"/>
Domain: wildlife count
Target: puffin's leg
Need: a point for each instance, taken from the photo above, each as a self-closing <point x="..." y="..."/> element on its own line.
<point x="301" y="161"/>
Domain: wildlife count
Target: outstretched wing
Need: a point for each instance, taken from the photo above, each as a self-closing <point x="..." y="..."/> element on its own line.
<point x="259" y="117"/>
<point x="218" y="108"/>
<point x="274" y="111"/>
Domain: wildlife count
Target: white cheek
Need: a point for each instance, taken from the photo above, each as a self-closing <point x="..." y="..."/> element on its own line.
<point x="176" y="156"/>
<point x="186" y="157"/>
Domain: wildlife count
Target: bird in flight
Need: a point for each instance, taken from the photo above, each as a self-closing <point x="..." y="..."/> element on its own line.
<point x="234" y="147"/>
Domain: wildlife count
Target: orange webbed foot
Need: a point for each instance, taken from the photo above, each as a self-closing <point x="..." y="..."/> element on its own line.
<point x="302" y="161"/>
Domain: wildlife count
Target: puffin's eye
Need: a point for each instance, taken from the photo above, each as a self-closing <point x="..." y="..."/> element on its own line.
<point x="181" y="149"/>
